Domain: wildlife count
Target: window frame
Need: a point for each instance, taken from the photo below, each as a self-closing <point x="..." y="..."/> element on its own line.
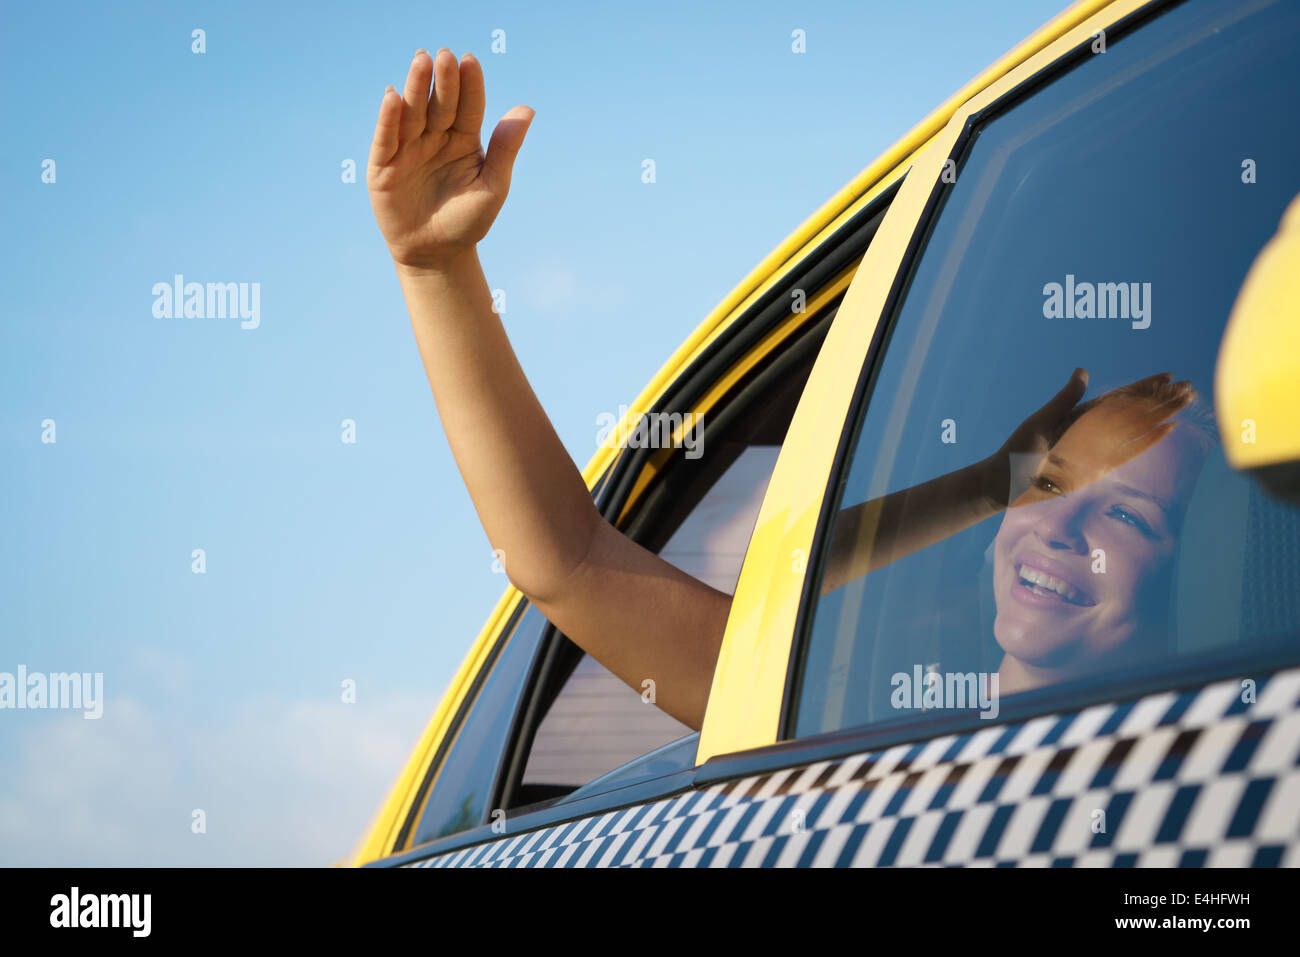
<point x="1124" y="19"/>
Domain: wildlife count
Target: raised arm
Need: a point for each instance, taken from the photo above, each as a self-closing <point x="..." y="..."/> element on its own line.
<point x="435" y="194"/>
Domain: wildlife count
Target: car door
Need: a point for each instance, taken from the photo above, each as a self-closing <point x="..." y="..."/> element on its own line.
<point x="1050" y="175"/>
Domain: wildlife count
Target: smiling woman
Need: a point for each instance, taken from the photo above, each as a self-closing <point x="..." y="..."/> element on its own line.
<point x="1080" y="485"/>
<point x="1082" y="562"/>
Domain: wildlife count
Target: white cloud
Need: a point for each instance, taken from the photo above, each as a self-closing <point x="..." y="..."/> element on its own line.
<point x="291" y="784"/>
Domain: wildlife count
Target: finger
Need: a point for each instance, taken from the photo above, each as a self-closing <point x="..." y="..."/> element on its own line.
<point x="1174" y="402"/>
<point x="1150" y="396"/>
<point x="504" y="147"/>
<point x="1160" y="378"/>
<point x="468" y="117"/>
<point x="1063" y="401"/>
<point x="1168" y="400"/>
<point x="446" y="91"/>
<point x="1137" y="425"/>
<point x="1136" y="446"/>
<point x="384" y="145"/>
<point x="1180" y="393"/>
<point x="415" y="98"/>
<point x="1149" y="387"/>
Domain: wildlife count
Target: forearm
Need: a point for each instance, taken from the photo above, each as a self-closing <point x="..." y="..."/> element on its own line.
<point x="530" y="498"/>
<point x="435" y="194"/>
<point x="872" y="534"/>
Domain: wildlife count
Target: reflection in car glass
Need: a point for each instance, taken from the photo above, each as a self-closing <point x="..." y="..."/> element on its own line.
<point x="1037" y="494"/>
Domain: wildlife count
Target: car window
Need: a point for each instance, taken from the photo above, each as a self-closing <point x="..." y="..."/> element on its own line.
<point x="598" y="723"/>
<point x="1105" y="222"/>
<point x="467" y="767"/>
<point x="698" y="513"/>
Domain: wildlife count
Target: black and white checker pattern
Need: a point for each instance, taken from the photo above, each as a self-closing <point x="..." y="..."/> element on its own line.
<point x="1197" y="778"/>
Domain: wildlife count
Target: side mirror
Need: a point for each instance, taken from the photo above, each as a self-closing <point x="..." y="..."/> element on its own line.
<point x="1257" y="375"/>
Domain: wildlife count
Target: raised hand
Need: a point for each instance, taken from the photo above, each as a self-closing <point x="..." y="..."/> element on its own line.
<point x="434" y="191"/>
<point x="1112" y="428"/>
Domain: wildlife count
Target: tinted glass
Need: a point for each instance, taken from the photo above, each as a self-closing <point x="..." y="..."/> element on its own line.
<point x="1106" y="222"/>
<point x="464" y="783"/>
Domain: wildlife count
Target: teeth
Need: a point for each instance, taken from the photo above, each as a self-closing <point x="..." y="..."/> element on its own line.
<point x="1031" y="576"/>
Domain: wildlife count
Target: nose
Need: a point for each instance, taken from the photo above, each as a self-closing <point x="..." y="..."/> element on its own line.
<point x="1059" y="524"/>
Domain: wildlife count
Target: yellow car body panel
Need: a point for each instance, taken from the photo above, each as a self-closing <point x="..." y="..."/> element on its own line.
<point x="746" y="695"/>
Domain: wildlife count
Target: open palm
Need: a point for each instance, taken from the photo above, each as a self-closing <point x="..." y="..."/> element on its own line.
<point x="434" y="191"/>
<point x="1120" y="425"/>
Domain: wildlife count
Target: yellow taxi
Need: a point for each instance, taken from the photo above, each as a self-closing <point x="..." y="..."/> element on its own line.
<point x="1112" y="195"/>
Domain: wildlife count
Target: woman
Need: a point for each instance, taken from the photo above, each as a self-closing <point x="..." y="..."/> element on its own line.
<point x="435" y="194"/>
<point x="1082" y="567"/>
<point x="1092" y="499"/>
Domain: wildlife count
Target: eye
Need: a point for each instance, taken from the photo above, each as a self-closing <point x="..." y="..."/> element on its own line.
<point x="1119" y="513"/>
<point x="1047" y="485"/>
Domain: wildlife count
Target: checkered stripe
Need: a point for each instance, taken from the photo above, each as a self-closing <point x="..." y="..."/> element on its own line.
<point x="1198" y="778"/>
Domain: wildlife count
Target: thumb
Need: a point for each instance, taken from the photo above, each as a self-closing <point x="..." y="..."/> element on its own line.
<point x="504" y="146"/>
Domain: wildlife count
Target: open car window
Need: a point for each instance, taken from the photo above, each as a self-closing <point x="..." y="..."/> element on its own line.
<point x="597" y="722"/>
<point x="699" y="515"/>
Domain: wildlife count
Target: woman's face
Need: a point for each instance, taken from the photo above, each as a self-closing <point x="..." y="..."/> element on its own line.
<point x="1058" y="612"/>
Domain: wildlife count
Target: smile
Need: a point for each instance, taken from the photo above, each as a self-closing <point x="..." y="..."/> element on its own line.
<point x="1048" y="586"/>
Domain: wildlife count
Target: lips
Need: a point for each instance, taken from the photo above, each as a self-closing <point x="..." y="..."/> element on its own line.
<point x="1044" y="581"/>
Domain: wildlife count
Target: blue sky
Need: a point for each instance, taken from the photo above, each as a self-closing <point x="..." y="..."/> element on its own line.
<point x="328" y="561"/>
